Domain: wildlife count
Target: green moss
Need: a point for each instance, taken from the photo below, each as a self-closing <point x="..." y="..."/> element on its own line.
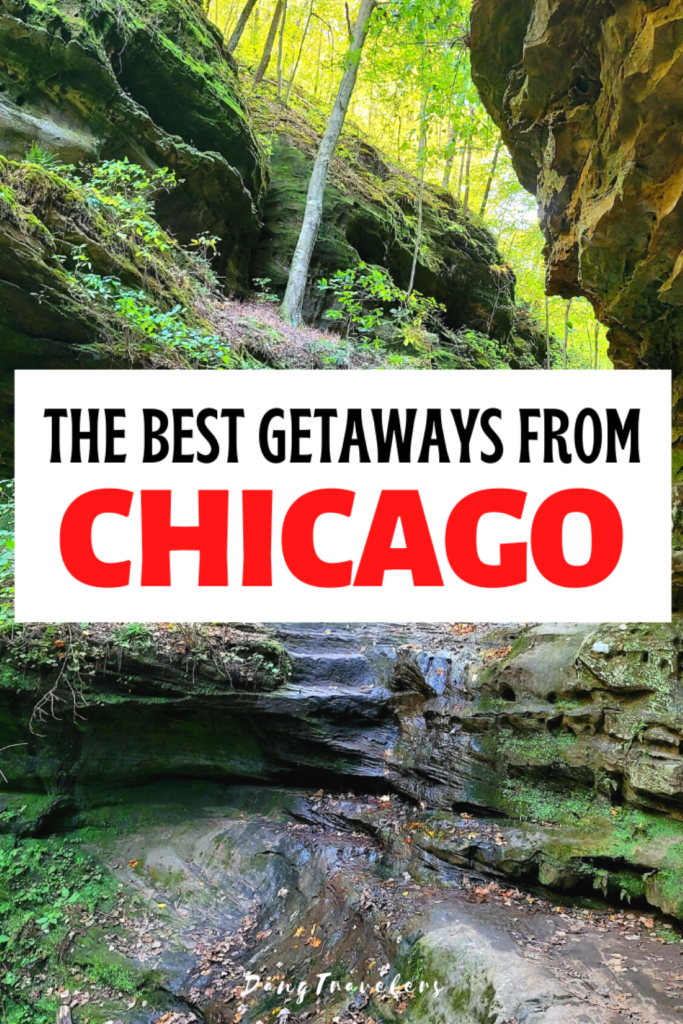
<point x="45" y="887"/>
<point x="9" y="206"/>
<point x="536" y="802"/>
<point x="108" y="972"/>
<point x="53" y="894"/>
<point x="15" y="679"/>
<point x="22" y="813"/>
<point x="371" y="214"/>
<point x="467" y="991"/>
<point x="487" y="677"/>
<point x="537" y="747"/>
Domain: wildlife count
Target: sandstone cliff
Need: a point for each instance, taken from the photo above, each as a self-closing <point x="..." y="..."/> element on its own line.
<point x="589" y="100"/>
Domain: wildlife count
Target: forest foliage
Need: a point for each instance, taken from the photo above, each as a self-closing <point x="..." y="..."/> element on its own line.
<point x="415" y="101"/>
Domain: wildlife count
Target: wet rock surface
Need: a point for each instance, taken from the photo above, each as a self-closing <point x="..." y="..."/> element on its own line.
<point x="495" y="808"/>
<point x="230" y="892"/>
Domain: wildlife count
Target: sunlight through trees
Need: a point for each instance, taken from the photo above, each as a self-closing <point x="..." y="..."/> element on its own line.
<point x="415" y="101"/>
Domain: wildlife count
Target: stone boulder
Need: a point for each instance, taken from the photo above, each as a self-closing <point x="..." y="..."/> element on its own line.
<point x="153" y="84"/>
<point x="371" y="214"/>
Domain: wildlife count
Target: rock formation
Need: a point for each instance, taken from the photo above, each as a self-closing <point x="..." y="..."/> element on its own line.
<point x="588" y="96"/>
<point x="102" y="81"/>
<point x="371" y="209"/>
<point x="415" y="775"/>
<point x="85" y="84"/>
<point x="567" y="737"/>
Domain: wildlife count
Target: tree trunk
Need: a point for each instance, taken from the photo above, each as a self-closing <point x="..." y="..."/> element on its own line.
<point x="462" y="172"/>
<point x="268" y="48"/>
<point x="228" y="20"/>
<point x="597" y="339"/>
<point x="296" y="285"/>
<point x="421" y="160"/>
<point x="449" y="160"/>
<point x="566" y="334"/>
<point x="301" y="48"/>
<point x="241" y="25"/>
<point x="317" y="63"/>
<point x="547" y="333"/>
<point x="279" y="50"/>
<point x="468" y="166"/>
<point x="492" y="174"/>
<point x="418" y="235"/>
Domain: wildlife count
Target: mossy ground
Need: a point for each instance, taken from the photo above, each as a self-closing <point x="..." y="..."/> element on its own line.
<point x="107" y="263"/>
<point x="51" y="889"/>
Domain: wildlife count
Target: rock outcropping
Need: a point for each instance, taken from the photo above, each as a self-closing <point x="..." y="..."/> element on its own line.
<point x="86" y="84"/>
<point x="588" y="96"/>
<point x="105" y="81"/>
<point x="370" y="214"/>
<point x="568" y="739"/>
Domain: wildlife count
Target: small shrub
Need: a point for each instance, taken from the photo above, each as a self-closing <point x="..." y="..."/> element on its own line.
<point x="371" y="309"/>
<point x="42" y="157"/>
<point x="263" y="293"/>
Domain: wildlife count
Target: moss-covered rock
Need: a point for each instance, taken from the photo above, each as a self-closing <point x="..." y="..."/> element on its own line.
<point x="87" y="276"/>
<point x="574" y="752"/>
<point x="371" y="214"/>
<point x="85" y="84"/>
<point x="152" y="82"/>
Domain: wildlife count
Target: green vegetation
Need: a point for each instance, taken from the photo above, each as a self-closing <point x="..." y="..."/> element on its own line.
<point x="48" y="887"/>
<point x="371" y="308"/>
<point x="6" y="552"/>
<point x="540" y="747"/>
<point x="114" y="200"/>
<point x="415" y="101"/>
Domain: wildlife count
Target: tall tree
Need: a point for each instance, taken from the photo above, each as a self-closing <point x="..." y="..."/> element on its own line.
<point x="567" y="327"/>
<point x="301" y="47"/>
<point x="468" y="178"/>
<point x="490" y="179"/>
<point x="270" y="40"/>
<point x="255" y="24"/>
<point x="280" y="50"/>
<point x="317" y="63"/>
<point x="241" y="25"/>
<point x="296" y="285"/>
<point x="450" y="156"/>
<point x="421" y="161"/>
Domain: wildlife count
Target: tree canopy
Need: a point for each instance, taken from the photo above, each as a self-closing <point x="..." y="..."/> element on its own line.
<point x="414" y="100"/>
